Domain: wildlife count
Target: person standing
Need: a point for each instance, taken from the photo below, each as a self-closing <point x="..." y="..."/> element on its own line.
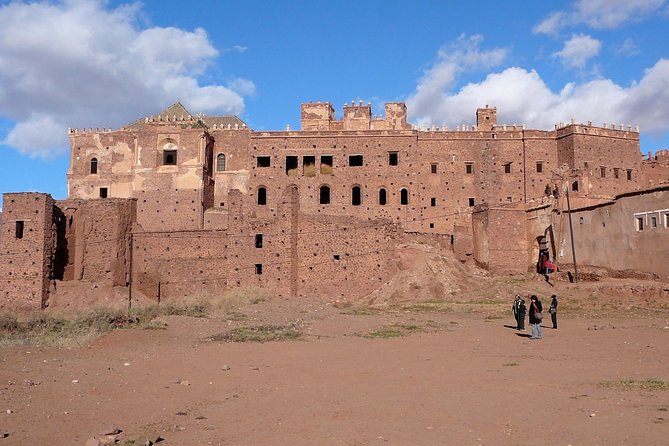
<point x="535" y="317"/>
<point x="522" y="310"/>
<point x="516" y="304"/>
<point x="553" y="311"/>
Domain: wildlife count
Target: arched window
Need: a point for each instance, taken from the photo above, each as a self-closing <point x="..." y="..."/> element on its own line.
<point x="574" y="186"/>
<point x="404" y="197"/>
<point x="262" y="196"/>
<point x="383" y="197"/>
<point x="170" y="154"/>
<point x="94" y="165"/>
<point x="220" y="163"/>
<point x="325" y="195"/>
<point x="356" y="196"/>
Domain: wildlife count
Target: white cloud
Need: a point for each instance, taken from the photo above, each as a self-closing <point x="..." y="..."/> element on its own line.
<point x="599" y="14"/>
<point x="77" y="63"/>
<point x="578" y="50"/>
<point x="627" y="48"/>
<point x="522" y="97"/>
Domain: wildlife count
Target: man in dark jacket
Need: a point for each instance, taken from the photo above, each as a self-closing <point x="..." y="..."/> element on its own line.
<point x="535" y="317"/>
<point x="553" y="311"/>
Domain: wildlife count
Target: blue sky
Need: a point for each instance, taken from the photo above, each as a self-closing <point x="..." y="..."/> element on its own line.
<point x="93" y="63"/>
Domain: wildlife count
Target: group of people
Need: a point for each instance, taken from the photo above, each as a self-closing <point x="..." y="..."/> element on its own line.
<point x="535" y="314"/>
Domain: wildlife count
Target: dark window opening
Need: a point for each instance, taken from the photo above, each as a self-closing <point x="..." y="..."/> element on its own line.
<point x="291" y="165"/>
<point x="258" y="240"/>
<point x="326" y="164"/>
<point x="639" y="223"/>
<point x="383" y="198"/>
<point x="433" y="202"/>
<point x="19" y="229"/>
<point x="629" y="174"/>
<point x="170" y="157"/>
<point x="616" y="173"/>
<point x="262" y="196"/>
<point x="258" y="268"/>
<point x="103" y="192"/>
<point x="356" y="196"/>
<point x="509" y="199"/>
<point x="355" y="161"/>
<point x="433" y="168"/>
<point x="94" y="165"/>
<point x="263" y="161"/>
<point x="336" y="257"/>
<point x="507" y="168"/>
<point x="393" y="158"/>
<point x="469" y="168"/>
<point x="220" y="162"/>
<point x="471" y="202"/>
<point x="574" y="186"/>
<point x="653" y="221"/>
<point x="325" y="195"/>
<point x="431" y="225"/>
<point x="309" y="166"/>
<point x="540" y="167"/>
<point x="404" y="197"/>
<point x="602" y="172"/>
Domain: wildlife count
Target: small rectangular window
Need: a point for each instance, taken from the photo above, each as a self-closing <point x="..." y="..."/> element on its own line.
<point x="103" y="192"/>
<point x="170" y="157"/>
<point x="629" y="174"/>
<point x="392" y="159"/>
<point x="616" y="173"/>
<point x="264" y="161"/>
<point x="540" y="167"/>
<point x="309" y="166"/>
<point x="19" y="229"/>
<point x="355" y="161"/>
<point x="507" y="168"/>
<point x="433" y="202"/>
<point x="602" y="172"/>
<point x="639" y="223"/>
<point x="469" y="168"/>
<point x="433" y="168"/>
<point x="326" y="164"/>
<point x="666" y="220"/>
<point x="431" y="225"/>
<point x="509" y="199"/>
<point x="258" y="268"/>
<point x="653" y="221"/>
<point x="336" y="257"/>
<point x="291" y="165"/>
<point x="258" y="240"/>
<point x="471" y="202"/>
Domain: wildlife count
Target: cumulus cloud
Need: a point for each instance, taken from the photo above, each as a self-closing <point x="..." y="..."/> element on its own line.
<point x="578" y="50"/>
<point x="599" y="14"/>
<point x="79" y="63"/>
<point x="522" y="97"/>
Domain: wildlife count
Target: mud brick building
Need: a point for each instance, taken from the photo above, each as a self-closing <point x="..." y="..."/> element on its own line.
<point x="180" y="204"/>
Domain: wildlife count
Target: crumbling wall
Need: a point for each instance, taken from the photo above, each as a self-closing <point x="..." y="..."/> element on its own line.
<point x="26" y="250"/>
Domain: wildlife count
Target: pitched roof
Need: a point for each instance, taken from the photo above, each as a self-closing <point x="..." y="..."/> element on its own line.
<point x="180" y="112"/>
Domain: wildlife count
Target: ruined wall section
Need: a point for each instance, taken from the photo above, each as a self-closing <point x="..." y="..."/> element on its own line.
<point x="97" y="237"/>
<point x="655" y="169"/>
<point x="101" y="164"/>
<point x="500" y="238"/>
<point x="27" y="246"/>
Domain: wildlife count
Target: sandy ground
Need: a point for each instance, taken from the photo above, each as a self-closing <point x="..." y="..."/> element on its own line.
<point x="466" y="377"/>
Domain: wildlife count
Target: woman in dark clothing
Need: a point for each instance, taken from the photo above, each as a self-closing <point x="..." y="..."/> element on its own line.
<point x="553" y="311"/>
<point x="535" y="317"/>
<point x="522" y="310"/>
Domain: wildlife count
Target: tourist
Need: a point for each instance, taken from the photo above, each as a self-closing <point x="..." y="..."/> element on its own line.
<point x="553" y="311"/>
<point x="535" y="317"/>
<point x="516" y="303"/>
<point x="522" y="310"/>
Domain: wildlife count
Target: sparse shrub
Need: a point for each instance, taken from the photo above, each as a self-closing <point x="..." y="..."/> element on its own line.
<point x="262" y="333"/>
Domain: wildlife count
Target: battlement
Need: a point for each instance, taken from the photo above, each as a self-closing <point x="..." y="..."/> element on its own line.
<point x="320" y="116"/>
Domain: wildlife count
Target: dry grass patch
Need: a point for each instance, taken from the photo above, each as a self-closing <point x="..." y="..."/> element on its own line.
<point x="261" y="333"/>
<point x="637" y="384"/>
<point x="394" y="331"/>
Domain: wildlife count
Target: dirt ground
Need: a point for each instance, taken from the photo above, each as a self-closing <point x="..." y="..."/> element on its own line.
<point x="464" y="376"/>
<point x="460" y="374"/>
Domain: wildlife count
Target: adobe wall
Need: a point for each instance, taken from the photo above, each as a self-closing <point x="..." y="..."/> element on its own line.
<point x="27" y="242"/>
<point x="655" y="169"/>
<point x="628" y="247"/>
<point x="96" y="240"/>
<point x="300" y="255"/>
<point x="500" y="238"/>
